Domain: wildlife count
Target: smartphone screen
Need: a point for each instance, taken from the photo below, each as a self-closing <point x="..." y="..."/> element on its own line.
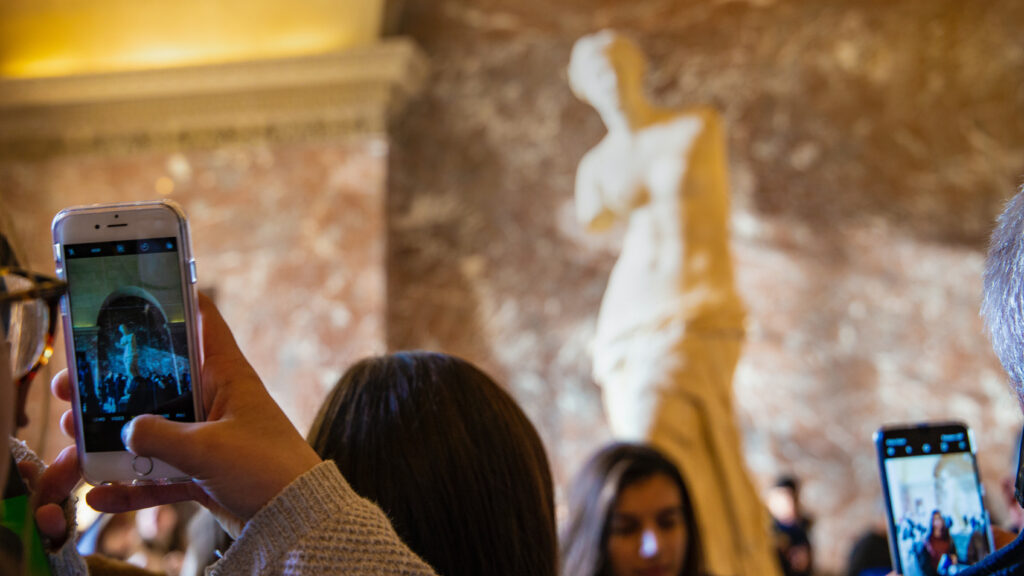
<point x="21" y="549"/>
<point x="937" y="520"/>
<point x="128" y="320"/>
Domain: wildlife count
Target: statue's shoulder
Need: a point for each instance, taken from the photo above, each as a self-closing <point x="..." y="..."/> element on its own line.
<point x="599" y="154"/>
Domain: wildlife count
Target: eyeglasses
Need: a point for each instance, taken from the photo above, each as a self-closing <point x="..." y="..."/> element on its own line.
<point x="28" y="319"/>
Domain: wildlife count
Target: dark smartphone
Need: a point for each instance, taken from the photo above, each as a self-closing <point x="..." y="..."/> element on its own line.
<point x="938" y="524"/>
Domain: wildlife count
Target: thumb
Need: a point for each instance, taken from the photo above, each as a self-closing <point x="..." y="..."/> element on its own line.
<point x="157" y="437"/>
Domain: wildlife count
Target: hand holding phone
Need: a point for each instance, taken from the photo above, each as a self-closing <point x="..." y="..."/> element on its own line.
<point x="130" y="330"/>
<point x="243" y="455"/>
<point x="938" y="524"/>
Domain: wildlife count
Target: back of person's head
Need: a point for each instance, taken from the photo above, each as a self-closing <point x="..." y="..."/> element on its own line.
<point x="783" y="500"/>
<point x="450" y="458"/>
<point x="1003" y="302"/>
<point x="593" y="495"/>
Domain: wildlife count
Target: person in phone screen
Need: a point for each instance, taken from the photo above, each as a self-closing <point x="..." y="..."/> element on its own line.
<point x="937" y="549"/>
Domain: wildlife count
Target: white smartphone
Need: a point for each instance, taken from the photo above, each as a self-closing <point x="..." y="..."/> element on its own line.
<point x="933" y="497"/>
<point x="130" y="328"/>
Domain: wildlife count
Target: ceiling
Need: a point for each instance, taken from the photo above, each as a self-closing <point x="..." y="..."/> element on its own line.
<point x="47" y="38"/>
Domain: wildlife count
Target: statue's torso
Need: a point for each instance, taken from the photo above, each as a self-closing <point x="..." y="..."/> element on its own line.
<point x="659" y="278"/>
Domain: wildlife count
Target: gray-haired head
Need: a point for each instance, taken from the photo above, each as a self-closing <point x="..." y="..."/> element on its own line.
<point x="1002" y="305"/>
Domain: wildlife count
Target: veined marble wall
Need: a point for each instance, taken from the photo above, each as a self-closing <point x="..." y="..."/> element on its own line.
<point x="872" y="144"/>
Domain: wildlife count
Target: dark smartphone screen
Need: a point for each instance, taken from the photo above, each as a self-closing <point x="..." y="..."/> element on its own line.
<point x="937" y="521"/>
<point x="130" y="335"/>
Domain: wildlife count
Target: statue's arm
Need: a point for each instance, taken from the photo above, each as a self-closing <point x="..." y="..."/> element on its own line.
<point x="591" y="209"/>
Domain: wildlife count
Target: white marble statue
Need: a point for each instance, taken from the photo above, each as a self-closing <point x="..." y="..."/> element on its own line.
<point x="670" y="327"/>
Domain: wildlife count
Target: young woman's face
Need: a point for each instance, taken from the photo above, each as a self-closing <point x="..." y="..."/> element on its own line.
<point x="647" y="535"/>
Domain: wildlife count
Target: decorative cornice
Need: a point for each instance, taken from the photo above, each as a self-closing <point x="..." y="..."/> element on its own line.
<point x="350" y="92"/>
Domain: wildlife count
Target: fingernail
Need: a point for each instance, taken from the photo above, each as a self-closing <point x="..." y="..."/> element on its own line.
<point x="126" y="433"/>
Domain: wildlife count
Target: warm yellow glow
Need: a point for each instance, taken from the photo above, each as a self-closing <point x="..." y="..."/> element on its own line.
<point x="64" y="37"/>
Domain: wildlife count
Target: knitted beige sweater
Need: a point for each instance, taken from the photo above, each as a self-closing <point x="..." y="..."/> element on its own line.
<point x="317" y="525"/>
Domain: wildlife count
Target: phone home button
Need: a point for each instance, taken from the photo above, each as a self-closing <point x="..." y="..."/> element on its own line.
<point x="142" y="465"/>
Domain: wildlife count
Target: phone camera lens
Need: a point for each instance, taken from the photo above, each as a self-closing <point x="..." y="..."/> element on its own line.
<point x="97" y="226"/>
<point x="116" y="215"/>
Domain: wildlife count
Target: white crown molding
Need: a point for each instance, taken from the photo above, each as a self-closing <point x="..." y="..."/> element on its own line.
<point x="350" y="92"/>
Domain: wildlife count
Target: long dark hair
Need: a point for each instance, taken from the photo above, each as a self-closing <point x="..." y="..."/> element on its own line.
<point x="943" y="533"/>
<point x="592" y="498"/>
<point x="450" y="458"/>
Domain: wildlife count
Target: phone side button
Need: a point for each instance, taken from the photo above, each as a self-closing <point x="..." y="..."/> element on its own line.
<point x="193" y="276"/>
<point x="142" y="465"/>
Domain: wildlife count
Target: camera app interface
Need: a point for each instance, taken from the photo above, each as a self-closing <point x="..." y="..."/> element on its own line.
<point x="131" y="345"/>
<point x="941" y="526"/>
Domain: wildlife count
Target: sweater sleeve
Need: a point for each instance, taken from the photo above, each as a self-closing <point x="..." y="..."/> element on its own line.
<point x="319" y="525"/>
<point x="65" y="561"/>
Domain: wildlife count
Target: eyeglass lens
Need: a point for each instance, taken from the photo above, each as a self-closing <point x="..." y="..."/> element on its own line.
<point x="24" y="324"/>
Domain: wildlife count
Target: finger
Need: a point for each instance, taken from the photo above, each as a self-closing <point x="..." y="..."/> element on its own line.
<point x="67" y="424"/>
<point x="29" y="472"/>
<point x="56" y="483"/>
<point x="60" y="386"/>
<point x="223" y="362"/>
<point x="157" y="437"/>
<point x="218" y="341"/>
<point x="52" y="523"/>
<point x="115" y="498"/>
<point x="230" y="523"/>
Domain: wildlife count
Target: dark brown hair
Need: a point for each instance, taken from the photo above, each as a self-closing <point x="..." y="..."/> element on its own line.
<point x="592" y="498"/>
<point x="450" y="458"/>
